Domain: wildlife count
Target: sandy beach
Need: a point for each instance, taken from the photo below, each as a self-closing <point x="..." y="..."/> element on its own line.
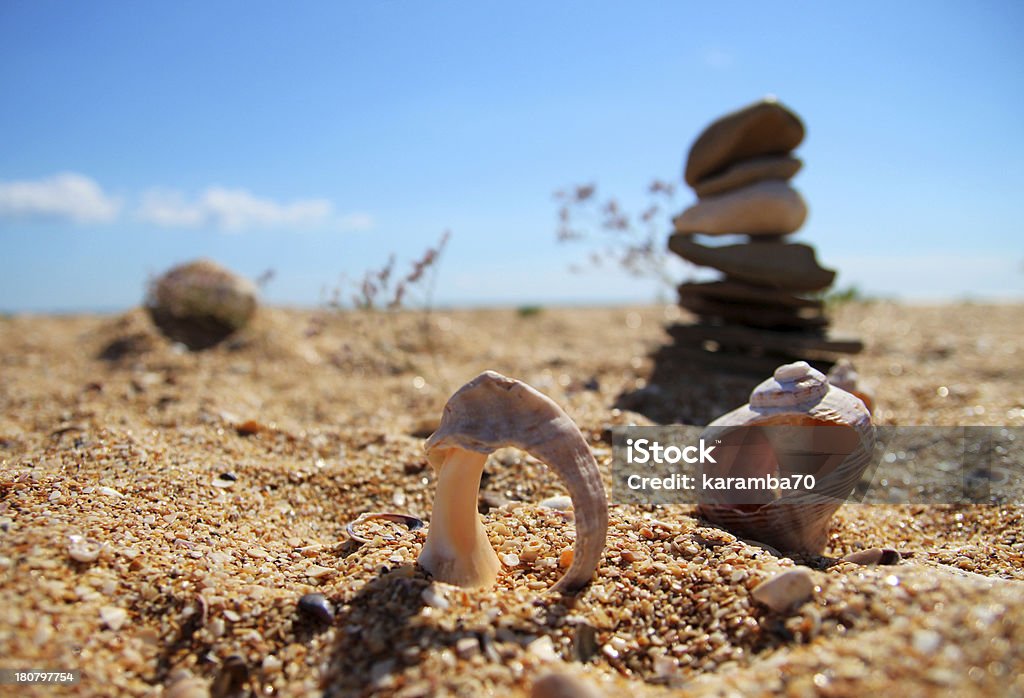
<point x="162" y="512"/>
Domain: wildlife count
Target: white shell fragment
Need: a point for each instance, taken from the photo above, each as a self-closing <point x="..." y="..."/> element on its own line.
<point x="81" y="549"/>
<point x="796" y="425"/>
<point x="435" y="597"/>
<point x="559" y="503"/>
<point x="410" y="522"/>
<point x="113" y="617"/>
<point x="785" y="591"/>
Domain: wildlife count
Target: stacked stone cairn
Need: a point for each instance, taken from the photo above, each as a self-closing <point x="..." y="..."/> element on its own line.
<point x="767" y="307"/>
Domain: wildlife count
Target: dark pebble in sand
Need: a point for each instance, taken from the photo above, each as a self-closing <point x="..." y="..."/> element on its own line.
<point x="874" y="556"/>
<point x="317" y="607"/>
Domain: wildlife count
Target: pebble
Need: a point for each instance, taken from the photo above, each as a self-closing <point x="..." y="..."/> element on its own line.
<point x="771" y="207"/>
<point x="737" y="292"/>
<point x="791" y="266"/>
<point x="199" y="304"/>
<point x="113" y="617"/>
<point x="466" y="647"/>
<point x="747" y="172"/>
<point x="543" y="649"/>
<point x="559" y="685"/>
<point x="434" y="597"/>
<point x="559" y="503"/>
<point x="316" y="607"/>
<point x="926" y="641"/>
<point x="763" y="128"/>
<point x="108" y="492"/>
<point x="874" y="556"/>
<point x="510" y="560"/>
<point x="785" y="591"/>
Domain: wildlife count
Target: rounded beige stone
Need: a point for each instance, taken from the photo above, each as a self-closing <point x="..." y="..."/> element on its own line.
<point x="771" y="207"/>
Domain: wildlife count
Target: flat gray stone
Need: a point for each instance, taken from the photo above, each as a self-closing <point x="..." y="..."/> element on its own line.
<point x="747" y="172"/>
<point x="766" y="127"/>
<point x="805" y="344"/>
<point x="755" y="315"/>
<point x="741" y="292"/>
<point x="735" y="362"/>
<point x="783" y="265"/>
<point x="768" y="207"/>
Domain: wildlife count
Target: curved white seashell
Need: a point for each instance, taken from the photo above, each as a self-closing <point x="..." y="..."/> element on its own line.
<point x="490" y="412"/>
<point x="770" y="436"/>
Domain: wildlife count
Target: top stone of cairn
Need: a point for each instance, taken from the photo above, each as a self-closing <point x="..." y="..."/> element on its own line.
<point x="766" y="127"/>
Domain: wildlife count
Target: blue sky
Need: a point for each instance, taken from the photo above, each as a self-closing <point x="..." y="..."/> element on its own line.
<point x="317" y="138"/>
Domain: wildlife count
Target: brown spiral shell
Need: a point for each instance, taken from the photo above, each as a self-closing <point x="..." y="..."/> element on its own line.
<point x="770" y="436"/>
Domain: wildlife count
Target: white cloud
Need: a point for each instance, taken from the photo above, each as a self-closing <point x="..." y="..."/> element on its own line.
<point x="67" y="195"/>
<point x="356" y="222"/>
<point x="234" y="210"/>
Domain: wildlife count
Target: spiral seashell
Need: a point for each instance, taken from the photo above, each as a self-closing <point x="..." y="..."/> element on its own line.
<point x="796" y="425"/>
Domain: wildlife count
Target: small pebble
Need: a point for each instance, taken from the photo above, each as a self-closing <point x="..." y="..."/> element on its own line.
<point x="113" y="617"/>
<point x="926" y="641"/>
<point x="108" y="492"/>
<point x="874" y="556"/>
<point x="434" y="597"/>
<point x="249" y="427"/>
<point x="543" y="649"/>
<point x="785" y="591"/>
<point x="562" y="686"/>
<point x="317" y="607"/>
<point x="466" y="647"/>
<point x="558" y="503"/>
<point x="510" y="560"/>
<point x="565" y="559"/>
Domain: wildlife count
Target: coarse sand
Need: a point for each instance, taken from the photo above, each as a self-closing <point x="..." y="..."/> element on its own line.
<point x="162" y="513"/>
